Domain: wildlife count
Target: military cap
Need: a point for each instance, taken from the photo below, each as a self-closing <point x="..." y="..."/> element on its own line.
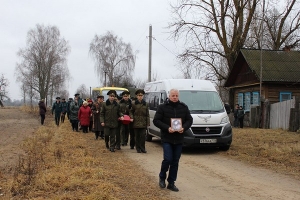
<point x="125" y="93"/>
<point x="57" y="97"/>
<point x="70" y="99"/>
<point x="112" y="92"/>
<point x="140" y="91"/>
<point x="63" y="99"/>
<point x="100" y="96"/>
<point x="76" y="94"/>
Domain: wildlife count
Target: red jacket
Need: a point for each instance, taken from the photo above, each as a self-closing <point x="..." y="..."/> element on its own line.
<point x="84" y="115"/>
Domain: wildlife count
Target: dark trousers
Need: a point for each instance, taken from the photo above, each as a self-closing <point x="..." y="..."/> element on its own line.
<point x="110" y="134"/>
<point x="236" y="122"/>
<point x="241" y="121"/>
<point x="97" y="134"/>
<point x="74" y="124"/>
<point x="85" y="129"/>
<point x="132" y="138"/>
<point x="124" y="134"/>
<point x="42" y="118"/>
<point x="62" y="118"/>
<point x="140" y="138"/>
<point x="172" y="153"/>
<point x="91" y="126"/>
<point x="118" y="136"/>
<point x="57" y="118"/>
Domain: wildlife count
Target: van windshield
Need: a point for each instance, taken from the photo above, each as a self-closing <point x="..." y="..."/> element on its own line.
<point x="201" y="101"/>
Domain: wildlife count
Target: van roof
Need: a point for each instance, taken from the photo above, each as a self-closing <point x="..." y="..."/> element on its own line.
<point x="180" y="84"/>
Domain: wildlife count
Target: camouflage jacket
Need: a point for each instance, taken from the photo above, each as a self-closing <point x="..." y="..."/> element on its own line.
<point x="110" y="113"/>
<point x="139" y="112"/>
<point x="125" y="106"/>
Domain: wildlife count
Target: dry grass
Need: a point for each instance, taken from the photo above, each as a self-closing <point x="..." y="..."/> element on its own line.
<point x="60" y="164"/>
<point x="278" y="150"/>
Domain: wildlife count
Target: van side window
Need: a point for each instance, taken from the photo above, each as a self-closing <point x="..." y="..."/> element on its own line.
<point x="163" y="97"/>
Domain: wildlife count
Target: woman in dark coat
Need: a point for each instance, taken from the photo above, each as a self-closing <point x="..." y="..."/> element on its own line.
<point x="43" y="111"/>
<point x="84" y="116"/>
<point x="99" y="130"/>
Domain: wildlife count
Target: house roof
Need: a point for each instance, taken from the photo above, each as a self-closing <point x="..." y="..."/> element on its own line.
<point x="278" y="66"/>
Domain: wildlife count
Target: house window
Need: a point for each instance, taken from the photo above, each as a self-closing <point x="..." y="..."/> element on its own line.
<point x="285" y="96"/>
<point x="247" y="99"/>
<point x="255" y="98"/>
<point x="241" y="99"/>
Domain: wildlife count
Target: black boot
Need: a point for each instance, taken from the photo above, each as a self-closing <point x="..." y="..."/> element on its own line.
<point x="106" y="145"/>
<point x="171" y="186"/>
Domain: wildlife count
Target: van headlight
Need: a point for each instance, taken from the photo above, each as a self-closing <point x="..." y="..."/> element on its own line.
<point x="225" y="120"/>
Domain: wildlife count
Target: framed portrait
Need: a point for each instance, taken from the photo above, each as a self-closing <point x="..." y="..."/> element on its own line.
<point x="176" y="124"/>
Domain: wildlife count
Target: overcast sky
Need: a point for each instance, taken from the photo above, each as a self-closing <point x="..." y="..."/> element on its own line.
<point x="78" y="22"/>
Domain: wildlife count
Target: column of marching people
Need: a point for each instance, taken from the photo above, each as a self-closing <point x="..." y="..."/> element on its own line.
<point x="119" y="120"/>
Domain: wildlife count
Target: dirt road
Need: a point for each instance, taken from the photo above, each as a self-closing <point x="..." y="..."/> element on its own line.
<point x="206" y="175"/>
<point x="202" y="174"/>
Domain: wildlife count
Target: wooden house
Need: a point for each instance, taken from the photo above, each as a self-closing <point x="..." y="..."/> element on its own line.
<point x="275" y="73"/>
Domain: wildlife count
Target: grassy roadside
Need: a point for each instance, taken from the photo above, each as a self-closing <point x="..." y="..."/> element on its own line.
<point x="277" y="150"/>
<point x="61" y="164"/>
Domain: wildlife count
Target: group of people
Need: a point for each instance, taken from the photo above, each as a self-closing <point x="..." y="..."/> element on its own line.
<point x="117" y="127"/>
<point x="120" y="121"/>
<point x="238" y="114"/>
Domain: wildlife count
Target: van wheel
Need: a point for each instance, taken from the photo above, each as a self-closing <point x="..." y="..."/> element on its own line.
<point x="224" y="148"/>
<point x="148" y="136"/>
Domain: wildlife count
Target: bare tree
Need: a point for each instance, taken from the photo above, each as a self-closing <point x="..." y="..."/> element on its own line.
<point x="3" y="92"/>
<point x="43" y="67"/>
<point x="212" y="29"/>
<point x="113" y="57"/>
<point x="83" y="91"/>
<point x="282" y="26"/>
<point x="215" y="30"/>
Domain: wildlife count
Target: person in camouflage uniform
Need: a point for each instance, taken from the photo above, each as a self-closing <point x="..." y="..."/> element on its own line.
<point x="125" y="106"/>
<point x="118" y="133"/>
<point x="109" y="118"/>
<point x="57" y="109"/>
<point x="139" y="114"/>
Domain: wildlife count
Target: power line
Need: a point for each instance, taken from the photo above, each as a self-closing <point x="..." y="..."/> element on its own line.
<point x="164" y="46"/>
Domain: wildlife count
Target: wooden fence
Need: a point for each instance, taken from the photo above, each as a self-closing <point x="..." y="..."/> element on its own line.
<point x="280" y="114"/>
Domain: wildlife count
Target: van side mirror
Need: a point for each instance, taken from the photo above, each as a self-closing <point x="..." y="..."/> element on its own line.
<point x="227" y="108"/>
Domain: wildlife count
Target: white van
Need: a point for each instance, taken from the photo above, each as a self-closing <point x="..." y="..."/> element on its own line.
<point x="211" y="125"/>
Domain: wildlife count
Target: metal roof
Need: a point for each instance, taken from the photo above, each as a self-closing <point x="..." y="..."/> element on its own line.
<point x="278" y="66"/>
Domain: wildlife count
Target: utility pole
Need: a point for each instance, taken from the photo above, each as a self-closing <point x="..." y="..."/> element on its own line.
<point x="105" y="78"/>
<point x="261" y="58"/>
<point x="150" y="53"/>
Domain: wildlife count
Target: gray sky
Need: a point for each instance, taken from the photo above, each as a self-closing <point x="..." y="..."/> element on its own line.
<point x="78" y="22"/>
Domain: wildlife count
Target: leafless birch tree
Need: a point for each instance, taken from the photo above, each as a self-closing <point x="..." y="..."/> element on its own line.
<point x="3" y="92"/>
<point x="113" y="57"/>
<point x="43" y="68"/>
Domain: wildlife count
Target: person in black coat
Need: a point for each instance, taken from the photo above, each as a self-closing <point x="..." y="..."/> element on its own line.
<point x="172" y="111"/>
<point x="43" y="110"/>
